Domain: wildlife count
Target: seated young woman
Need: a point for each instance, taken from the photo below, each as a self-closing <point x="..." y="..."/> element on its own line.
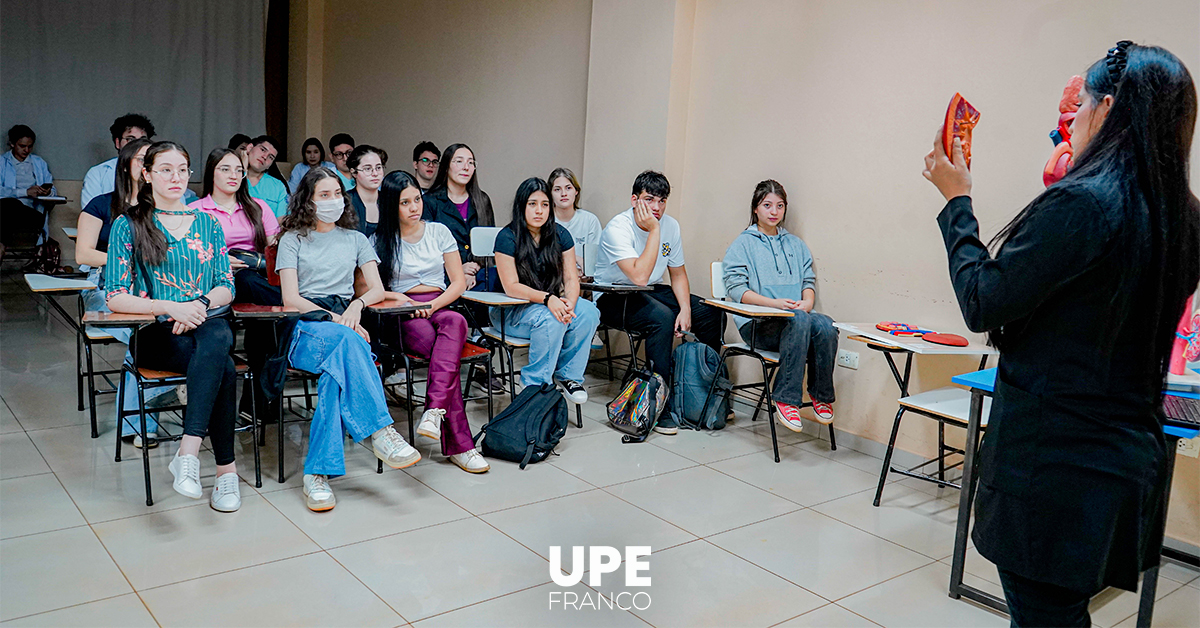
<point x="415" y="258"/>
<point x="319" y="251"/>
<point x="366" y="166"/>
<point x="768" y="266"/>
<point x="164" y="258"/>
<point x="535" y="257"/>
<point x="313" y="152"/>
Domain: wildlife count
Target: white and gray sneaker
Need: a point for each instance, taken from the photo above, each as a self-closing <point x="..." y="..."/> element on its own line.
<point x="317" y="493"/>
<point x="470" y="461"/>
<point x="151" y="438"/>
<point x="227" y="494"/>
<point x="597" y="343"/>
<point x="573" y="391"/>
<point x="393" y="450"/>
<point x="397" y="378"/>
<point x="186" y="470"/>
<point x="431" y="423"/>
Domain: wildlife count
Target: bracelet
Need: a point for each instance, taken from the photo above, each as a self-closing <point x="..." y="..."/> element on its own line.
<point x="546" y="301"/>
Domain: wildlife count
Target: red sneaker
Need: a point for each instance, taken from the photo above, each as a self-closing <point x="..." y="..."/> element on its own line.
<point x="789" y="416"/>
<point x="823" y="412"/>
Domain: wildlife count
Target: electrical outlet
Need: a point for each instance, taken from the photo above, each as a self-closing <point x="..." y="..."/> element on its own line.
<point x="847" y="359"/>
<point x="1189" y="447"/>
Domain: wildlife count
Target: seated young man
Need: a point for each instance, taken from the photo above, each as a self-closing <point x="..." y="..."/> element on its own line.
<point x="637" y="247"/>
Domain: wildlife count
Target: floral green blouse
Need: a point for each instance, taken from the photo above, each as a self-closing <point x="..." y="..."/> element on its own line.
<point x="195" y="263"/>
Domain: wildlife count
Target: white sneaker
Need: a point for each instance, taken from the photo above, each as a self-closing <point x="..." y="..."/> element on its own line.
<point x="431" y="423"/>
<point x="318" y="494"/>
<point x="393" y="450"/>
<point x="152" y="437"/>
<point x="227" y="494"/>
<point x="186" y="470"/>
<point x="397" y="378"/>
<point x="181" y="394"/>
<point x="470" y="461"/>
<point x="597" y="344"/>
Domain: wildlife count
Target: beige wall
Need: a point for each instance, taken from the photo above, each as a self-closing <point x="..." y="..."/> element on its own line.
<point x="508" y="78"/>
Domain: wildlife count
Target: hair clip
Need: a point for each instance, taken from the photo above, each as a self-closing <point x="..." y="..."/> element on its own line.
<point x="1116" y="60"/>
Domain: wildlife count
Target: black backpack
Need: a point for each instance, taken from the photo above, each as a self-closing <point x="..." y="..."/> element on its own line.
<point x="529" y="428"/>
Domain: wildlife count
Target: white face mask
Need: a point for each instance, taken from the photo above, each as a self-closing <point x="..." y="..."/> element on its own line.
<point x="330" y="209"/>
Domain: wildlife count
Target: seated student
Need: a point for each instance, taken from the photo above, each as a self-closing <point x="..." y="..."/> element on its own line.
<point x="318" y="254"/>
<point x="584" y="226"/>
<point x="768" y="266"/>
<point x="248" y="223"/>
<point x="91" y="249"/>
<point x="535" y="257"/>
<point x="239" y="142"/>
<point x="24" y="175"/>
<point x="415" y="258"/>
<point x="313" y="152"/>
<point x="637" y="247"/>
<point x="425" y="164"/>
<point x="366" y="164"/>
<point x="99" y="178"/>
<point x="267" y="187"/>
<point x="340" y="147"/>
<point x="164" y="258"/>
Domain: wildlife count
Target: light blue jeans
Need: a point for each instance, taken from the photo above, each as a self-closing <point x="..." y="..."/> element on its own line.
<point x="349" y="391"/>
<point x="555" y="349"/>
<point x="94" y="301"/>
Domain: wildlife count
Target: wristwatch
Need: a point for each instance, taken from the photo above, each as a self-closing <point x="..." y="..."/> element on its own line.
<point x="203" y="299"/>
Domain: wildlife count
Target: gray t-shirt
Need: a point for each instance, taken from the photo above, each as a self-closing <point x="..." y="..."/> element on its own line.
<point x="325" y="262"/>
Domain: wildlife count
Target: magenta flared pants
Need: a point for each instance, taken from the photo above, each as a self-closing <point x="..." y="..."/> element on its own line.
<point x="440" y="339"/>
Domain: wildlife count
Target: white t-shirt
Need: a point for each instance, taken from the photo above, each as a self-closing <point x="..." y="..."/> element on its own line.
<point x="421" y="263"/>
<point x="585" y="229"/>
<point x="623" y="239"/>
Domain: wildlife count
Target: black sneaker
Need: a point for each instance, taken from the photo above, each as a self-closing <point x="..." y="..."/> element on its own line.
<point x="667" y="425"/>
<point x="494" y="385"/>
<point x="573" y="391"/>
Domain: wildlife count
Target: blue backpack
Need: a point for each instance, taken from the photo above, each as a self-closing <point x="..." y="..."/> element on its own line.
<point x="695" y="368"/>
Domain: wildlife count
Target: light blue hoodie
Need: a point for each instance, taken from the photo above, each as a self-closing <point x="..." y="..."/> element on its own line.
<point x="777" y="267"/>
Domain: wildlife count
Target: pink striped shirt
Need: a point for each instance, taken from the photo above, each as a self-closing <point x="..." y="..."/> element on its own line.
<point x="239" y="233"/>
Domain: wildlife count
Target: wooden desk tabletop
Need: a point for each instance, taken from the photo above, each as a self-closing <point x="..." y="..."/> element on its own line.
<point x="250" y="310"/>
<point x="46" y="284"/>
<point x="113" y="319"/>
<point x="395" y="306"/>
<point x="748" y="310"/>
<point x="915" y="345"/>
<point x="492" y="298"/>
<point x="613" y="287"/>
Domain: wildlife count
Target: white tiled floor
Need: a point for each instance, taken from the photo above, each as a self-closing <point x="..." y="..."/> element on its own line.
<point x="737" y="539"/>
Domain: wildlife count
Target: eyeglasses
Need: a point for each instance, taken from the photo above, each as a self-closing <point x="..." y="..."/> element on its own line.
<point x="428" y="161"/>
<point x="470" y="163"/>
<point x="226" y="170"/>
<point x="342" y="155"/>
<point x="167" y="173"/>
<point x="369" y="169"/>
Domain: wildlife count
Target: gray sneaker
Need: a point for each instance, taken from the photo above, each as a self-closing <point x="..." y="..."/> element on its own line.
<point x="667" y="425"/>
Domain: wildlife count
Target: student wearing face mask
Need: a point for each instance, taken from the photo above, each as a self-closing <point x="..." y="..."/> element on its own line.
<point x="366" y="164"/>
<point x="319" y="251"/>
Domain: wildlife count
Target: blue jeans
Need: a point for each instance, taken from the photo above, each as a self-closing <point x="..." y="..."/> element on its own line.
<point x="94" y="301"/>
<point x="349" y="391"/>
<point x="806" y="339"/>
<point x="555" y="349"/>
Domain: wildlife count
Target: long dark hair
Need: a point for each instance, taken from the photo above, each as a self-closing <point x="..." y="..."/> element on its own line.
<point x="242" y="195"/>
<point x="539" y="264"/>
<point x="1141" y="155"/>
<point x="149" y="242"/>
<point x="312" y="141"/>
<point x="302" y="214"/>
<point x="479" y="199"/>
<point x="769" y="186"/>
<point x="123" y="185"/>
<point x="387" y="233"/>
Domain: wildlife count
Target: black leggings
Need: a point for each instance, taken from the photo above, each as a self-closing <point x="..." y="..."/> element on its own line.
<point x="203" y="354"/>
<point x="1032" y="603"/>
<point x="252" y="287"/>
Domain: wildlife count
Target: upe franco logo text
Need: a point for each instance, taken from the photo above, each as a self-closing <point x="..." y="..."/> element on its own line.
<point x="602" y="559"/>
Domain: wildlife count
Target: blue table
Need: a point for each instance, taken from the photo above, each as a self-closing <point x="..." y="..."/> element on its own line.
<point x="983" y="383"/>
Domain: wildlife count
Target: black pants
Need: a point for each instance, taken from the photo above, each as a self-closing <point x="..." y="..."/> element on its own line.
<point x="1032" y="603"/>
<point x="251" y="286"/>
<point x="203" y="354"/>
<point x="653" y="313"/>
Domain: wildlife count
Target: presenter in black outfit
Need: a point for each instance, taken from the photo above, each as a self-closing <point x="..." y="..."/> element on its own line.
<point x="1082" y="298"/>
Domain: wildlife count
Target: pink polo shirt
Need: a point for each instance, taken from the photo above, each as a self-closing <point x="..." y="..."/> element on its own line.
<point x="239" y="233"/>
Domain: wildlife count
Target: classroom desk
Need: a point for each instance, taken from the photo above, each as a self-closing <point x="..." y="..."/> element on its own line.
<point x="982" y="383"/>
<point x="615" y="288"/>
<point x="71" y="232"/>
<point x="502" y="301"/>
<point x="396" y="306"/>
<point x="887" y="344"/>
